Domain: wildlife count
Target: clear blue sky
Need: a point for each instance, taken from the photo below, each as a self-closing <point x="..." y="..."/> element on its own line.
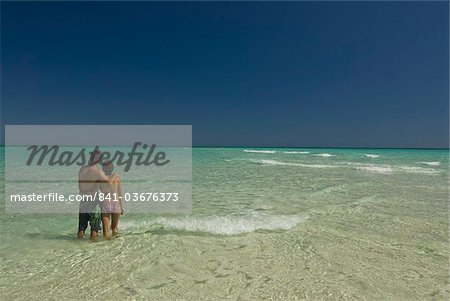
<point x="359" y="74"/>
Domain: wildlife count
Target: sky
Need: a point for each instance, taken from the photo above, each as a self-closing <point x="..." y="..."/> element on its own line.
<point x="308" y="74"/>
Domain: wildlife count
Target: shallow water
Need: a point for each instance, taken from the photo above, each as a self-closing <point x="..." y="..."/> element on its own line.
<point x="284" y="224"/>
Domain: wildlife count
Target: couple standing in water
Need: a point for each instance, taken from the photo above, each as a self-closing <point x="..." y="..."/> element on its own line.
<point x="93" y="181"/>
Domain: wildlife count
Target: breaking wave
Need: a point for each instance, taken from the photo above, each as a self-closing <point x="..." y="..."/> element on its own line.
<point x="324" y="155"/>
<point x="372" y="168"/>
<point x="414" y="169"/>
<point x="275" y="162"/>
<point x="223" y="225"/>
<point x="259" y="151"/>
<point x="376" y="169"/>
<point x="295" y="152"/>
<point x="388" y="169"/>
<point x="434" y="163"/>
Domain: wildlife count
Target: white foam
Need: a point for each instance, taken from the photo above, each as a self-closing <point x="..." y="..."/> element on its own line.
<point x="294" y="152"/>
<point x="414" y="169"/>
<point x="324" y="155"/>
<point x="434" y="163"/>
<point x="373" y="168"/>
<point x="376" y="169"/>
<point x="223" y="225"/>
<point x="388" y="169"/>
<point x="371" y="155"/>
<point x="259" y="151"/>
<point x="275" y="162"/>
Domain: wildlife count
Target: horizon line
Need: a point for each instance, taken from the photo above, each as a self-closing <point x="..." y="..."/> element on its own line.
<point x="313" y="147"/>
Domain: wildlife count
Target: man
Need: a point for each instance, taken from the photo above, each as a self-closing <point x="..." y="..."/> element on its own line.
<point x="89" y="178"/>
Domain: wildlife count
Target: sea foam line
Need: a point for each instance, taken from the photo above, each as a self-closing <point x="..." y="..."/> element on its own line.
<point x="433" y="163"/>
<point x="259" y="151"/>
<point x="275" y="162"/>
<point x="324" y="155"/>
<point x="388" y="169"/>
<point x="371" y="155"/>
<point x="414" y="169"/>
<point x="376" y="169"/>
<point x="296" y="152"/>
<point x="223" y="225"/>
<point x="372" y="168"/>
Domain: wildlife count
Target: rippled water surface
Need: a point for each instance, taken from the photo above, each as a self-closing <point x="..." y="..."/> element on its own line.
<point x="284" y="224"/>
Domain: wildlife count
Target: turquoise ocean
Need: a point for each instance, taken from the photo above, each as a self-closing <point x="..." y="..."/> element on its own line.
<point x="266" y="224"/>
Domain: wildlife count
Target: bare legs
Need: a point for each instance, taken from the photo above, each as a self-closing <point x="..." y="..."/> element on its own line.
<point x="85" y="219"/>
<point x="94" y="234"/>
<point x="110" y="221"/>
<point x="106" y="221"/>
<point x="115" y="224"/>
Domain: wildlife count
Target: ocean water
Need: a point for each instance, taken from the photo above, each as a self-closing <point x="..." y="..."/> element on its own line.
<point x="266" y="223"/>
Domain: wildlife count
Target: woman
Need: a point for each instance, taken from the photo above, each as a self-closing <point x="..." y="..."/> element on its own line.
<point x="112" y="202"/>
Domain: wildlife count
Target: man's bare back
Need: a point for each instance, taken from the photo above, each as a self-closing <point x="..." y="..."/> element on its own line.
<point x="89" y="178"/>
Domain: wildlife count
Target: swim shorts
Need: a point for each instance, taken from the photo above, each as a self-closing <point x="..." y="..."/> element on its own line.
<point x="93" y="218"/>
